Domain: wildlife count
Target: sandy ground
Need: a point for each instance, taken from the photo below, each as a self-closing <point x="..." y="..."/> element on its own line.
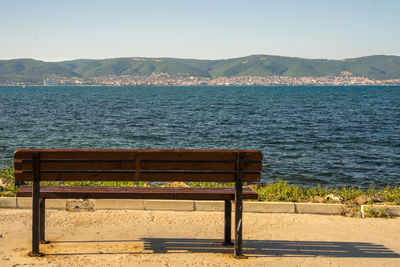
<point x="167" y="238"/>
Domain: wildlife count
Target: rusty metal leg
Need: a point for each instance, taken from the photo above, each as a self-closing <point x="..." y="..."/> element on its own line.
<point x="35" y="219"/>
<point x="238" y="252"/>
<point x="227" y="226"/>
<point x="35" y="205"/>
<point x="228" y="223"/>
<point x="43" y="221"/>
<point x="238" y="249"/>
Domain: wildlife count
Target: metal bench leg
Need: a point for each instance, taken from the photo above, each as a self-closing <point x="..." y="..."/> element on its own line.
<point x="35" y="205"/>
<point x="238" y="252"/>
<point x="238" y="249"/>
<point x="43" y="221"/>
<point x="35" y="220"/>
<point x="228" y="223"/>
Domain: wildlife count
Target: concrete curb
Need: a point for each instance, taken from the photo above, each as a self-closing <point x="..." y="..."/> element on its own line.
<point x="8" y="202"/>
<point x="319" y="208"/>
<point x="248" y="206"/>
<point x="191" y="205"/>
<point x="392" y="210"/>
<point x="269" y="207"/>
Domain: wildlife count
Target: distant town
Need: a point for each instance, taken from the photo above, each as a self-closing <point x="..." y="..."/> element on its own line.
<point x="165" y="79"/>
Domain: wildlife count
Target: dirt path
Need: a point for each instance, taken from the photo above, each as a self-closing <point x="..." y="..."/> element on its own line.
<point x="166" y="238"/>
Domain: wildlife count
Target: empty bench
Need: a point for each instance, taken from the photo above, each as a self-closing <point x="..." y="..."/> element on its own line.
<point x="37" y="165"/>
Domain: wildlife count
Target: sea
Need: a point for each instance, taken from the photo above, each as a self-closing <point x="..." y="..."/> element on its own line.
<point x="309" y="135"/>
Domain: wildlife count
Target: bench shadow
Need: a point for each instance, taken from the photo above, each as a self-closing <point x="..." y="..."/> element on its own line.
<point x="251" y="248"/>
<point x="94" y="241"/>
<point x="274" y="248"/>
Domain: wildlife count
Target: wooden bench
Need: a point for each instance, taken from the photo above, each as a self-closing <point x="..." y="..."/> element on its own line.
<point x="235" y="166"/>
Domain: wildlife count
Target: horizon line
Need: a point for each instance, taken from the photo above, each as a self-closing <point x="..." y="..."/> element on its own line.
<point x="168" y="57"/>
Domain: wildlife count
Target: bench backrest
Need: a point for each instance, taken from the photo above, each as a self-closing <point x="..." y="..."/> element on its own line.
<point x="137" y="165"/>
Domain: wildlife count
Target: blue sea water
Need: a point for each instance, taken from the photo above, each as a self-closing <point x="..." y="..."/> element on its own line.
<point x="308" y="135"/>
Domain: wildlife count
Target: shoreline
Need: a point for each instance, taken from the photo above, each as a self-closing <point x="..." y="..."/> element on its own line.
<point x="231" y="85"/>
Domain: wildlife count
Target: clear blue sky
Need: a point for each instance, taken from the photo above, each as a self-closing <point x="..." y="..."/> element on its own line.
<point x="60" y="30"/>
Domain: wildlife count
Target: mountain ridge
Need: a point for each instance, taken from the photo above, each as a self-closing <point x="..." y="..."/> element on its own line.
<point x="374" y="67"/>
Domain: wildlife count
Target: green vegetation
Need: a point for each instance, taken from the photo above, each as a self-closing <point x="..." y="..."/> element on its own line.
<point x="373" y="212"/>
<point x="7" y="172"/>
<point x="276" y="191"/>
<point x="282" y="191"/>
<point x="29" y="70"/>
<point x="210" y="184"/>
<point x="7" y="188"/>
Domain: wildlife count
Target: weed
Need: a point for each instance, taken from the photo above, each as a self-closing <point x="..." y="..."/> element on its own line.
<point x="7" y="172"/>
<point x="377" y="212"/>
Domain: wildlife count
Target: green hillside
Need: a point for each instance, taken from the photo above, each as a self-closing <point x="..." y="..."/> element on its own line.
<point x="375" y="67"/>
<point x="32" y="70"/>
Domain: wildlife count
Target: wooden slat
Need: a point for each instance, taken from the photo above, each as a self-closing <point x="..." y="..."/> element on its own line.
<point x="130" y="176"/>
<point x="136" y="192"/>
<point x="209" y="177"/>
<point x="221" y="166"/>
<point x="130" y="154"/>
<point x="79" y="154"/>
<point x="76" y="165"/>
<point x="130" y="165"/>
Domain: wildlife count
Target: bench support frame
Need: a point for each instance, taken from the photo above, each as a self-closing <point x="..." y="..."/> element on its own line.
<point x="238" y="247"/>
<point x="39" y="208"/>
<point x="228" y="223"/>
<point x="43" y="221"/>
<point x="35" y="204"/>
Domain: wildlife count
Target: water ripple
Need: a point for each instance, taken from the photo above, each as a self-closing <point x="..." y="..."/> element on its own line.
<point x="308" y="135"/>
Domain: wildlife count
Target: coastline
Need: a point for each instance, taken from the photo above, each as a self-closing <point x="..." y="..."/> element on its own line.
<point x="379" y="84"/>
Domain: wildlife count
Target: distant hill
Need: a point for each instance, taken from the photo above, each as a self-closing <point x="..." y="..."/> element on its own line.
<point x="31" y="70"/>
<point x="374" y="67"/>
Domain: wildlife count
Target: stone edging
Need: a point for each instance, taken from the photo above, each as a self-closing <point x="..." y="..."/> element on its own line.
<point x="190" y="205"/>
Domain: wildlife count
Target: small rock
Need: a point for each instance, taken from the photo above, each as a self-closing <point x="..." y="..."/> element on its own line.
<point x="337" y="199"/>
<point x="1" y="236"/>
<point x="362" y="199"/>
<point x="318" y="199"/>
<point x="378" y="198"/>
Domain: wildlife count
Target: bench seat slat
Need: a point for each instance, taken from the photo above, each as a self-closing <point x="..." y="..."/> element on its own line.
<point x="99" y="192"/>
